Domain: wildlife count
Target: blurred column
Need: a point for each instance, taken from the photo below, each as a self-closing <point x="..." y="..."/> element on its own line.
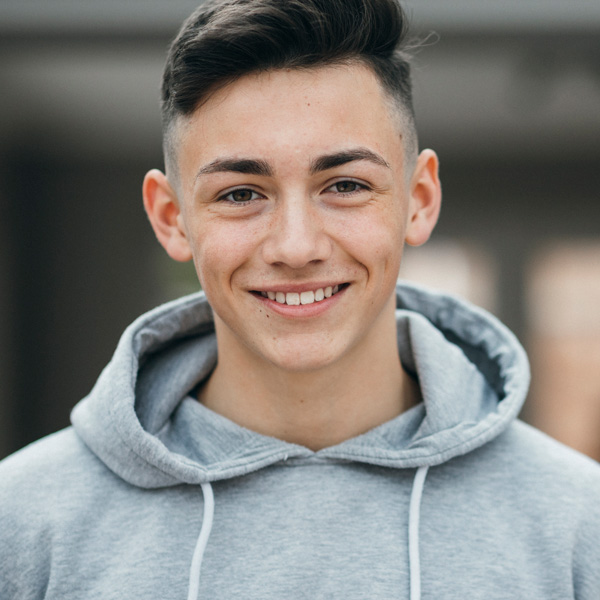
<point x="30" y="253"/>
<point x="564" y="316"/>
<point x="461" y="268"/>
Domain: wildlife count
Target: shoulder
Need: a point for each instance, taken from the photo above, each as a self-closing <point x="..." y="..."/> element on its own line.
<point x="548" y="481"/>
<point x="51" y="483"/>
<point x="41" y="483"/>
<point x="47" y="465"/>
<point x="532" y="461"/>
<point x="535" y="452"/>
<point x="39" y="486"/>
<point x="527" y="468"/>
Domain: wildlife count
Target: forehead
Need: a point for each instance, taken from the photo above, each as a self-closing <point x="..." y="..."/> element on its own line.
<point x="292" y="115"/>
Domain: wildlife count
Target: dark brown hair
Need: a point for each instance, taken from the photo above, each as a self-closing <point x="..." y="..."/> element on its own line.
<point x="226" y="39"/>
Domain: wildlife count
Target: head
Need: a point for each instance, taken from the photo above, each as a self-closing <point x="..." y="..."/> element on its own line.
<point x="223" y="40"/>
<point x="292" y="169"/>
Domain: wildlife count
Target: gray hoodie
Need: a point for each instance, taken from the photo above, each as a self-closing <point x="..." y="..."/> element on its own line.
<point x="151" y="495"/>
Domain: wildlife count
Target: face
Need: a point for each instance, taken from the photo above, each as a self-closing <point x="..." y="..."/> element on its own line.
<point x="294" y="205"/>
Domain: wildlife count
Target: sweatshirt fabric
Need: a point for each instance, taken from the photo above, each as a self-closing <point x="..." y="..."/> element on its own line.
<point x="151" y="495"/>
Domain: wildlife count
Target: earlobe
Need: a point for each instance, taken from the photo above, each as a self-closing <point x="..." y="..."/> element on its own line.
<point x="425" y="199"/>
<point x="162" y="208"/>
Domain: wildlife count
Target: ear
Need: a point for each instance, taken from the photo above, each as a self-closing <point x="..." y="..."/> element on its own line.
<point x="425" y="199"/>
<point x="162" y="208"/>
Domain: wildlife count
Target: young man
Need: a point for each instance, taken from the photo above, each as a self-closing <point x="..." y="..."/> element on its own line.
<point x="303" y="428"/>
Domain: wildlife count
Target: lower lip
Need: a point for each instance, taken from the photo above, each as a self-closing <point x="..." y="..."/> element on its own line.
<point x="302" y="311"/>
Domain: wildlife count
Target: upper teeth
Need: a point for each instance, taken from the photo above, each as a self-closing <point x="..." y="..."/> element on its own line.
<point x="295" y="298"/>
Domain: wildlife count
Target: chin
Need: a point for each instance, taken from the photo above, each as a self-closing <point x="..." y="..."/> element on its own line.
<point x="303" y="360"/>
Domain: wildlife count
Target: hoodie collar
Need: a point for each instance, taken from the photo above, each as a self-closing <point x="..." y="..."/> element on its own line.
<point x="140" y="420"/>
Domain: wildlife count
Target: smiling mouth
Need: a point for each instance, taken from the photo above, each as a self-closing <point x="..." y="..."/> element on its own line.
<point x="302" y="298"/>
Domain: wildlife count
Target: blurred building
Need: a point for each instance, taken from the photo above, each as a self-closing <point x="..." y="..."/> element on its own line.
<point x="507" y="93"/>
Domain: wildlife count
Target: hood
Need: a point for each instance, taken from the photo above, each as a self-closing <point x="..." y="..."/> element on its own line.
<point x="141" y="422"/>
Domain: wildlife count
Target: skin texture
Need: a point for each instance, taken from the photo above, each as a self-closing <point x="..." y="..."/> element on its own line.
<point x="298" y="221"/>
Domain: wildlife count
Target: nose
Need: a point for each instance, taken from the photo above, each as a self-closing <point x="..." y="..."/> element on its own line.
<point x="297" y="235"/>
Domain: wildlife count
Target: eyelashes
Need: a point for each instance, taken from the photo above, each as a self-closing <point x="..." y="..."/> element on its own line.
<point x="243" y="196"/>
<point x="347" y="187"/>
<point x="240" y="196"/>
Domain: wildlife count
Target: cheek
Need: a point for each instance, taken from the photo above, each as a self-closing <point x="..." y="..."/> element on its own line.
<point x="376" y="242"/>
<point x="219" y="249"/>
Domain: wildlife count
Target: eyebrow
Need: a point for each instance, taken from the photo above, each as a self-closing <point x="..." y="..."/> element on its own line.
<point x="330" y="161"/>
<point x="247" y="166"/>
<point x="251" y="166"/>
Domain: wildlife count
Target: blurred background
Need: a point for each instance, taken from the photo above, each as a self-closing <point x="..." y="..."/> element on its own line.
<point x="507" y="93"/>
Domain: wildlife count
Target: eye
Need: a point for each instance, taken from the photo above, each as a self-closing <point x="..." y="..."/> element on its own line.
<point x="240" y="196"/>
<point x="346" y="187"/>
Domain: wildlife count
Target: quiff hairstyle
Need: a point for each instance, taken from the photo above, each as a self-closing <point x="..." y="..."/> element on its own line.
<point x="224" y="40"/>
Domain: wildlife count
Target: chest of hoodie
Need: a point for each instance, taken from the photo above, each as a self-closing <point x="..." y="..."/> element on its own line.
<point x="320" y="528"/>
<point x="303" y="528"/>
<point x="310" y="528"/>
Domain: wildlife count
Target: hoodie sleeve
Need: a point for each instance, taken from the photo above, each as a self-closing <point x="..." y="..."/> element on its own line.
<point x="24" y="540"/>
<point x="586" y="555"/>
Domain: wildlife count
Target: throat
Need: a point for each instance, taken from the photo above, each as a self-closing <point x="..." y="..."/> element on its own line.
<point x="314" y="410"/>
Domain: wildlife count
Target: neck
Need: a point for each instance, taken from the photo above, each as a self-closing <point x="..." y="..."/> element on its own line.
<point x="317" y="408"/>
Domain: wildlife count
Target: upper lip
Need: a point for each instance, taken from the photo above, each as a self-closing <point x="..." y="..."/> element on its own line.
<point x="297" y="287"/>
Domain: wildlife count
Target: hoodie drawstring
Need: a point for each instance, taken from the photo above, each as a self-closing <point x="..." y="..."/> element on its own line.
<point x="207" y="521"/>
<point x="414" y="515"/>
